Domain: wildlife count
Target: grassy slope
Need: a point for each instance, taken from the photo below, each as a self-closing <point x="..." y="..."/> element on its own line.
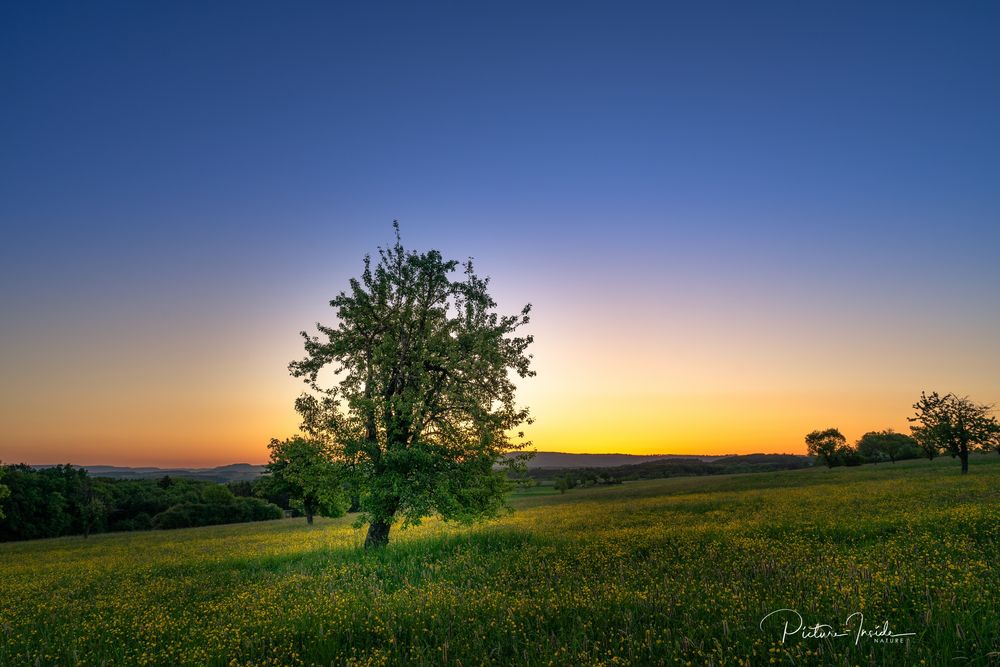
<point x="668" y="570"/>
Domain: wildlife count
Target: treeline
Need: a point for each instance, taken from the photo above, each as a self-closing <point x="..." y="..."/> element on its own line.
<point x="569" y="478"/>
<point x="65" y="500"/>
<point x="941" y="424"/>
<point x="830" y="448"/>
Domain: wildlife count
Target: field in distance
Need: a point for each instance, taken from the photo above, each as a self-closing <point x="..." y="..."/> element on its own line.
<point x="235" y="472"/>
<point x="671" y="571"/>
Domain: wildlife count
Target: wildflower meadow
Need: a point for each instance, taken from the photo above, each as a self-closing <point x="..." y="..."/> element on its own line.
<point x="681" y="571"/>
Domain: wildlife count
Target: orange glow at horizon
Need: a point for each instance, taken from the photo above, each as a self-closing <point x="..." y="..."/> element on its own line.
<point x="626" y="362"/>
<point x="736" y="424"/>
<point x="663" y="385"/>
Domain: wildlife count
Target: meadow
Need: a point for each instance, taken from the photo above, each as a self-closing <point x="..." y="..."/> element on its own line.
<point x="674" y="571"/>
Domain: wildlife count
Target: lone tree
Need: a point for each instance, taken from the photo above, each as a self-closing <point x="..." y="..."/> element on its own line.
<point x="827" y="446"/>
<point x="423" y="413"/>
<point x="304" y="469"/>
<point x="92" y="504"/>
<point x="954" y="425"/>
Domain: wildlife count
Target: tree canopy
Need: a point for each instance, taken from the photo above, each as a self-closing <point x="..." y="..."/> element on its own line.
<point x="826" y="445"/>
<point x="305" y="471"/>
<point x="422" y="411"/>
<point x="66" y="500"/>
<point x="955" y="425"/>
<point x="887" y="444"/>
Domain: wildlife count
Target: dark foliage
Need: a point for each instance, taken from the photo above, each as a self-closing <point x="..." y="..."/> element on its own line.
<point x="65" y="500"/>
<point x="186" y="515"/>
<point x="567" y="478"/>
<point x="876" y="446"/>
<point x="954" y="425"/>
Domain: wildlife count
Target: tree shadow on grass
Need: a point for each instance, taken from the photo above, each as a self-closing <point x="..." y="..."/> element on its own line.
<point x="404" y="561"/>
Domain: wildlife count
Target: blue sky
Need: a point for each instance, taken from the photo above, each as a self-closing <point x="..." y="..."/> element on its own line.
<point x="190" y="175"/>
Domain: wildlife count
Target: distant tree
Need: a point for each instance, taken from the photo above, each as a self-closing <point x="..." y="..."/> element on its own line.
<point x="953" y="424"/>
<point x="303" y="468"/>
<point x="424" y="410"/>
<point x="266" y="488"/>
<point x="92" y="505"/>
<point x="880" y="445"/>
<point x="217" y="494"/>
<point x="241" y="488"/>
<point x="564" y="483"/>
<point x="523" y="483"/>
<point x="869" y="449"/>
<point x="4" y="491"/>
<point x="826" y="445"/>
<point x="928" y="446"/>
<point x="165" y="482"/>
<point x="848" y="456"/>
<point x="92" y="513"/>
<point x="255" y="509"/>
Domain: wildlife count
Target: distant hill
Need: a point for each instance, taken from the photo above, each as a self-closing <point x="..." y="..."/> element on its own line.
<point x="234" y="472"/>
<point x="675" y="466"/>
<point x="564" y="460"/>
<point x="628" y="466"/>
<point x="247" y="471"/>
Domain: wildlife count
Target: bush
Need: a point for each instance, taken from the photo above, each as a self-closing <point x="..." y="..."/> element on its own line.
<point x="178" y="516"/>
<point x="190" y="515"/>
<point x="848" y="456"/>
<point x="565" y="483"/>
<point x="255" y="509"/>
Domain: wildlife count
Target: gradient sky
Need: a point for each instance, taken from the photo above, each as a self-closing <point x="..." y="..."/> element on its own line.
<point x="737" y="222"/>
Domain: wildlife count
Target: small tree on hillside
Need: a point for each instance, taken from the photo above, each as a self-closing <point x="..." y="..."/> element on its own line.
<point x="827" y="445"/>
<point x="954" y="425"/>
<point x="564" y="483"/>
<point x="92" y="506"/>
<point x="423" y="412"/>
<point x="304" y="469"/>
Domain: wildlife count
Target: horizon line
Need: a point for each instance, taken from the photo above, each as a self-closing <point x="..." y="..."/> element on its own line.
<point x="238" y="463"/>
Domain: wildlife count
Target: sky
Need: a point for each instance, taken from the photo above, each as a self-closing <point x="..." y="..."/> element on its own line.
<point x="736" y="222"/>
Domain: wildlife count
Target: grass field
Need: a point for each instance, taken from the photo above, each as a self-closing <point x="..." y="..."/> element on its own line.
<point x="676" y="571"/>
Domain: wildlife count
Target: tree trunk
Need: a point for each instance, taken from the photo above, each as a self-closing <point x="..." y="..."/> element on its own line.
<point x="378" y="534"/>
<point x="965" y="461"/>
<point x="309" y="518"/>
